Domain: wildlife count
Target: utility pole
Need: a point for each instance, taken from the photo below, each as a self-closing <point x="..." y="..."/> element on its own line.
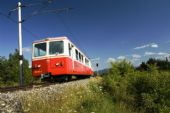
<point x="97" y="64"/>
<point x="19" y="6"/>
<point x="20" y="45"/>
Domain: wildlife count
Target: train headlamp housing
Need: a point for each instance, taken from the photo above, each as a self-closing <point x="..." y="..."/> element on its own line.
<point x="59" y="64"/>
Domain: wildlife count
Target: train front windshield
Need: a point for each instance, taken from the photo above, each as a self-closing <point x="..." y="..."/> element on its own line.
<point x="40" y="49"/>
<point x="56" y="47"/>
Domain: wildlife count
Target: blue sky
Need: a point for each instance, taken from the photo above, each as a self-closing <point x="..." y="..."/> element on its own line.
<point x="109" y="29"/>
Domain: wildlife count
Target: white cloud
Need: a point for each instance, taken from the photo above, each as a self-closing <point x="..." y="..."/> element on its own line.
<point x="121" y="57"/>
<point x="135" y="61"/>
<point x="158" y="54"/>
<point x="141" y="47"/>
<point x="136" y="56"/>
<point x="95" y="59"/>
<point x="152" y="45"/>
<point x="149" y="53"/>
<point x="27" y="49"/>
<point x="163" y="57"/>
<point x="162" y="53"/>
<point x="167" y="55"/>
<point x="111" y="60"/>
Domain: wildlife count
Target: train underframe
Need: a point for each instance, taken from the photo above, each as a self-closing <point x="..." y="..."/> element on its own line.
<point x="62" y="78"/>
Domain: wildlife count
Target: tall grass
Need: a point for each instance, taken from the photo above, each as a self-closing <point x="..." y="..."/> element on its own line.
<point x="80" y="99"/>
<point x="90" y="99"/>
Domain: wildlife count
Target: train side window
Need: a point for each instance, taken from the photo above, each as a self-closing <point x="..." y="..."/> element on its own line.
<point x="87" y="62"/>
<point x="77" y="55"/>
<point x="80" y="57"/>
<point x="69" y="49"/>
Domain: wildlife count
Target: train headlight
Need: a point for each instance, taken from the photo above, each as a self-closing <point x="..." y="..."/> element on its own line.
<point x="37" y="66"/>
<point x="59" y="64"/>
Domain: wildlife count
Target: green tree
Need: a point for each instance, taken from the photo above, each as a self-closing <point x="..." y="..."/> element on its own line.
<point x="161" y="64"/>
<point x="3" y="70"/>
<point x="9" y="69"/>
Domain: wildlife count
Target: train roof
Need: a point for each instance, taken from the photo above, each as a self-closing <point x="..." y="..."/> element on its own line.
<point x="59" y="38"/>
<point x="51" y="39"/>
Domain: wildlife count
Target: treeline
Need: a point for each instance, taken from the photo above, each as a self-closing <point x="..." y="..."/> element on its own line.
<point x="9" y="70"/>
<point x="161" y="64"/>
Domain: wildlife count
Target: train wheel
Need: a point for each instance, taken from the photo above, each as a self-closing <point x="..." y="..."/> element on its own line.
<point x="67" y="78"/>
<point x="79" y="77"/>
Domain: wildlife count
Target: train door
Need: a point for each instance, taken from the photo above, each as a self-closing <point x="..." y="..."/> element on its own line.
<point x="71" y="55"/>
<point x="57" y="61"/>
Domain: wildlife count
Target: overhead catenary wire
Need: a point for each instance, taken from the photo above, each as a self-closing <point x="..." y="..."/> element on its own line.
<point x="14" y="21"/>
<point x="45" y="5"/>
<point x="74" y="36"/>
<point x="35" y="13"/>
<point x="42" y="11"/>
<point x="67" y="28"/>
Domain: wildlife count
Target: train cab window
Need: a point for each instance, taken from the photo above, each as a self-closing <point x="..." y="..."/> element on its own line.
<point x="39" y="49"/>
<point x="56" y="47"/>
<point x="77" y="56"/>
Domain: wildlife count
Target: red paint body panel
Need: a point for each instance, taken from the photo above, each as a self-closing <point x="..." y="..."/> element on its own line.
<point x="39" y="67"/>
<point x="59" y="66"/>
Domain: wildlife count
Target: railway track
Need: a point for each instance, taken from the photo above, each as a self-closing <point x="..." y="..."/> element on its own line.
<point x="31" y="86"/>
<point x="25" y="87"/>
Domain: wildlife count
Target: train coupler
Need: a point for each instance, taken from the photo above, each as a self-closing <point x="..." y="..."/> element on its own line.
<point x="44" y="76"/>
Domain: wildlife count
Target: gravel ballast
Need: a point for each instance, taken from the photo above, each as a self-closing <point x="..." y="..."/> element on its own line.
<point x="11" y="102"/>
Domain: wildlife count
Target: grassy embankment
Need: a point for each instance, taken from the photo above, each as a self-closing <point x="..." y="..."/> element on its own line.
<point x="122" y="90"/>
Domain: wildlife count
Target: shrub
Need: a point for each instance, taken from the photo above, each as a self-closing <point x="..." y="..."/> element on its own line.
<point x="115" y="83"/>
<point x="149" y="91"/>
<point x="143" y="91"/>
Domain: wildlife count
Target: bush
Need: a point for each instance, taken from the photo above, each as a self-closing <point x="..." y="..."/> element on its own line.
<point x="149" y="91"/>
<point x="115" y="83"/>
<point x="143" y="91"/>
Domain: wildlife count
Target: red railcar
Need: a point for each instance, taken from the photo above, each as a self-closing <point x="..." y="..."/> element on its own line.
<point x="53" y="57"/>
